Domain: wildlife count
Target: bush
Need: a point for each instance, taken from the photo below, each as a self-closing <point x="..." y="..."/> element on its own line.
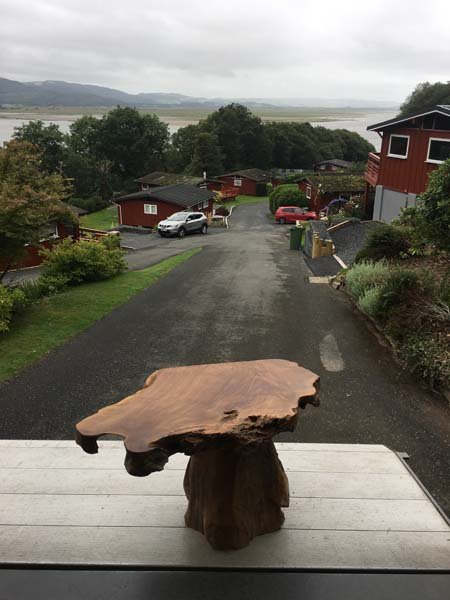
<point x="433" y="207"/>
<point x="386" y="241"/>
<point x="364" y="276"/>
<point x="91" y="204"/>
<point x="427" y="358"/>
<point x="74" y="263"/>
<point x="222" y="211"/>
<point x="369" y="302"/>
<point x="12" y="300"/>
<point x="287" y="195"/>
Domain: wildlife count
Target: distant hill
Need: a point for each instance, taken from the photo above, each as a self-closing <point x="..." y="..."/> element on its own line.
<point x="62" y="93"/>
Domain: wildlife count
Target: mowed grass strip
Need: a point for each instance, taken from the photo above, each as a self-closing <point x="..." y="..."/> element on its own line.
<point x="53" y="320"/>
<point x="246" y="200"/>
<point x="101" y="219"/>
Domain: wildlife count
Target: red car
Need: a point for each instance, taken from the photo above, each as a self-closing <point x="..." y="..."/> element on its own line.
<point x="290" y="214"/>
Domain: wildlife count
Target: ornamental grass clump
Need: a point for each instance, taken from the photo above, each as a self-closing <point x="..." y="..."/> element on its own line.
<point x="364" y="276"/>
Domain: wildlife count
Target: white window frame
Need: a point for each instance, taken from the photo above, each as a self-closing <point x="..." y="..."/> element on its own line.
<point x="150" y="209"/>
<point x="432" y="160"/>
<point x="237" y="182"/>
<point x="308" y="192"/>
<point x="398" y="155"/>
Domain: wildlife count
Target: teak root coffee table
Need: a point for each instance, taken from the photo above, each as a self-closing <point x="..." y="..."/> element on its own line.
<point x="224" y="416"/>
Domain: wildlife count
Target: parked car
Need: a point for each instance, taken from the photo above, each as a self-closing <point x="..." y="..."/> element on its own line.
<point x="181" y="223"/>
<point x="291" y="214"/>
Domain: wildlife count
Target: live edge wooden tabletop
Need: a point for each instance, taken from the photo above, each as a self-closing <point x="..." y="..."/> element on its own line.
<point x="223" y="415"/>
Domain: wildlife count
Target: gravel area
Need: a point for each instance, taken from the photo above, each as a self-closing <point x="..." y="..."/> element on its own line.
<point x="350" y="239"/>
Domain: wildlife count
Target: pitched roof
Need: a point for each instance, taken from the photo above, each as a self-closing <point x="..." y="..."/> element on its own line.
<point x="255" y="174"/>
<point x="442" y="109"/>
<point x="336" y="182"/>
<point x="162" y="178"/>
<point x="337" y="162"/>
<point x="181" y="194"/>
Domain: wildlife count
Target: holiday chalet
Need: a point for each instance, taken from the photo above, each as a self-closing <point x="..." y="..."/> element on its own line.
<point x="147" y="207"/>
<point x="412" y="147"/>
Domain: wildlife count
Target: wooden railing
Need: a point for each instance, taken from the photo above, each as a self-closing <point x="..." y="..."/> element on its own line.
<point x="89" y="233"/>
<point x="372" y="169"/>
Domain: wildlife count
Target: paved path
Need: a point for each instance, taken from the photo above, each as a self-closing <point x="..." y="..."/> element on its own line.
<point x="246" y="296"/>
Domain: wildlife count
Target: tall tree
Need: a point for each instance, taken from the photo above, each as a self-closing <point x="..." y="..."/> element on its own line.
<point x="207" y="157"/>
<point x="48" y="139"/>
<point x="241" y="137"/>
<point x="29" y="200"/>
<point x="181" y="151"/>
<point x="133" y="143"/>
<point x="425" y="97"/>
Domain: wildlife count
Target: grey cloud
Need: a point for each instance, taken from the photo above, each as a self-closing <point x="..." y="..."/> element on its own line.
<point x="241" y="48"/>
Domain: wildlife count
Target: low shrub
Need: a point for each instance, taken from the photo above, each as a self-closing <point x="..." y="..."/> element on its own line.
<point x="12" y="300"/>
<point x="427" y="358"/>
<point x="91" y="204"/>
<point x="222" y="211"/>
<point x="287" y="195"/>
<point x="386" y="241"/>
<point x="84" y="261"/>
<point x="365" y="275"/>
<point x="370" y="301"/>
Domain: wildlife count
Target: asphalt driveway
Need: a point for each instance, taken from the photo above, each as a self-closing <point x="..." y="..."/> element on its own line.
<point x="245" y="296"/>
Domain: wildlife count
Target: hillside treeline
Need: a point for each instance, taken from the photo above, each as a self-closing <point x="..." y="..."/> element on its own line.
<point x="105" y="155"/>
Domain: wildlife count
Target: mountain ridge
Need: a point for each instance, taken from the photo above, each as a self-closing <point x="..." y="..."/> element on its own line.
<point x="62" y="93"/>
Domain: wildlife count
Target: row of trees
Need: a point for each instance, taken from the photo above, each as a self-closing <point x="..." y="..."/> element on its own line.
<point x="104" y="155"/>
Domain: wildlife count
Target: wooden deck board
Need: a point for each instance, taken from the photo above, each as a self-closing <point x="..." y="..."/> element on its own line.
<point x="352" y="507"/>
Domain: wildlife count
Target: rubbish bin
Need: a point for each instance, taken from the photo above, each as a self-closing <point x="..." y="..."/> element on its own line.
<point x="296" y="238"/>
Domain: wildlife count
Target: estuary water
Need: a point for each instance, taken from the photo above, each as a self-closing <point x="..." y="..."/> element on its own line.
<point x="358" y="123"/>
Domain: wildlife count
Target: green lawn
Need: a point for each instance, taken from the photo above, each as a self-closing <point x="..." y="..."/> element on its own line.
<point x="246" y="200"/>
<point x="102" y="219"/>
<point x="52" y="321"/>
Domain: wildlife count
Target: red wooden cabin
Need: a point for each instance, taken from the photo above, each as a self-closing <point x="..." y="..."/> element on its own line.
<point x="411" y="148"/>
<point x="250" y="182"/>
<point x="148" y="208"/>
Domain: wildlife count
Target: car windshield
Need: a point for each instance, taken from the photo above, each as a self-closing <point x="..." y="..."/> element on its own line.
<point x="177" y="217"/>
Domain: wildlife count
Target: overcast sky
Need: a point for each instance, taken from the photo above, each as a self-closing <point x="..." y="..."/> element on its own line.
<point x="231" y="48"/>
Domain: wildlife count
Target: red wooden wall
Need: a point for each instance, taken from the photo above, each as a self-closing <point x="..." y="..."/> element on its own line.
<point x="248" y="186"/>
<point x="131" y="212"/>
<point x="410" y="174"/>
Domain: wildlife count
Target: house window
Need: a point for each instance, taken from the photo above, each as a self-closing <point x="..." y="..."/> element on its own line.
<point x="438" y="150"/>
<point x="145" y="186"/>
<point x="398" y="146"/>
<point x="48" y="232"/>
<point x="237" y="182"/>
<point x="308" y="192"/>
<point x="150" y="209"/>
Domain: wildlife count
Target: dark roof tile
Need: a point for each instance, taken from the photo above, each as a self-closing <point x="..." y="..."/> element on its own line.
<point x="181" y="194"/>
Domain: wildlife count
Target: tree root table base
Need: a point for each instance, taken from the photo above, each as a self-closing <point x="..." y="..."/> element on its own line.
<point x="236" y="492"/>
<point x="224" y="416"/>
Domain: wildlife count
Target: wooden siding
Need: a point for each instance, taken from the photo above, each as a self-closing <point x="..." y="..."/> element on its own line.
<point x="131" y="212"/>
<point x="32" y="256"/>
<point x="408" y="175"/>
<point x="248" y="186"/>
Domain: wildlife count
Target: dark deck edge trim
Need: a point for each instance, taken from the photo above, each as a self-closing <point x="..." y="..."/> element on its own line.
<point x="156" y="568"/>
<point x="424" y="489"/>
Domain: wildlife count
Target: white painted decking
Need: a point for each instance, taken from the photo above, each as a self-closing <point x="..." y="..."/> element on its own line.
<point x="352" y="507"/>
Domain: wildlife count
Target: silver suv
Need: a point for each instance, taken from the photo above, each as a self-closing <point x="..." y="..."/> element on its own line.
<point x="181" y="223"/>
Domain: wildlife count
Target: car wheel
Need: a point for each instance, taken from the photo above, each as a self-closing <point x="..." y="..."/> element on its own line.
<point x="282" y="221"/>
<point x="162" y="234"/>
<point x="310" y="219"/>
<point x="204" y="229"/>
<point x="181" y="232"/>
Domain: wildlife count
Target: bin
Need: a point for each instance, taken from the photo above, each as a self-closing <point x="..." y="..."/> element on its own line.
<point x="296" y="238"/>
